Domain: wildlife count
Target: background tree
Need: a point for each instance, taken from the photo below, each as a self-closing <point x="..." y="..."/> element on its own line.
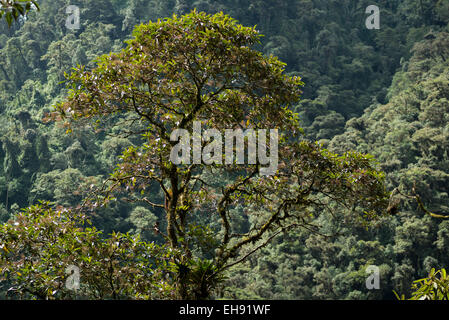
<point x="381" y="115"/>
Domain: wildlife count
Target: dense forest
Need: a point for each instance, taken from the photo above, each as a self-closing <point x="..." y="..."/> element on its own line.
<point x="382" y="92"/>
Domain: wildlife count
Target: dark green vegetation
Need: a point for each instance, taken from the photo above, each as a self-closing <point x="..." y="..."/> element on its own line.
<point x="383" y="92"/>
<point x="434" y="287"/>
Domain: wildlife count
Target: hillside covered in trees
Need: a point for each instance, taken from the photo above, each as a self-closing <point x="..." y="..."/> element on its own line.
<point x="383" y="92"/>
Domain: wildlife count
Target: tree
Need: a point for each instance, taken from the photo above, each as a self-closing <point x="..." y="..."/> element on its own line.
<point x="434" y="287"/>
<point x="12" y="170"/>
<point x="143" y="221"/>
<point x="200" y="67"/>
